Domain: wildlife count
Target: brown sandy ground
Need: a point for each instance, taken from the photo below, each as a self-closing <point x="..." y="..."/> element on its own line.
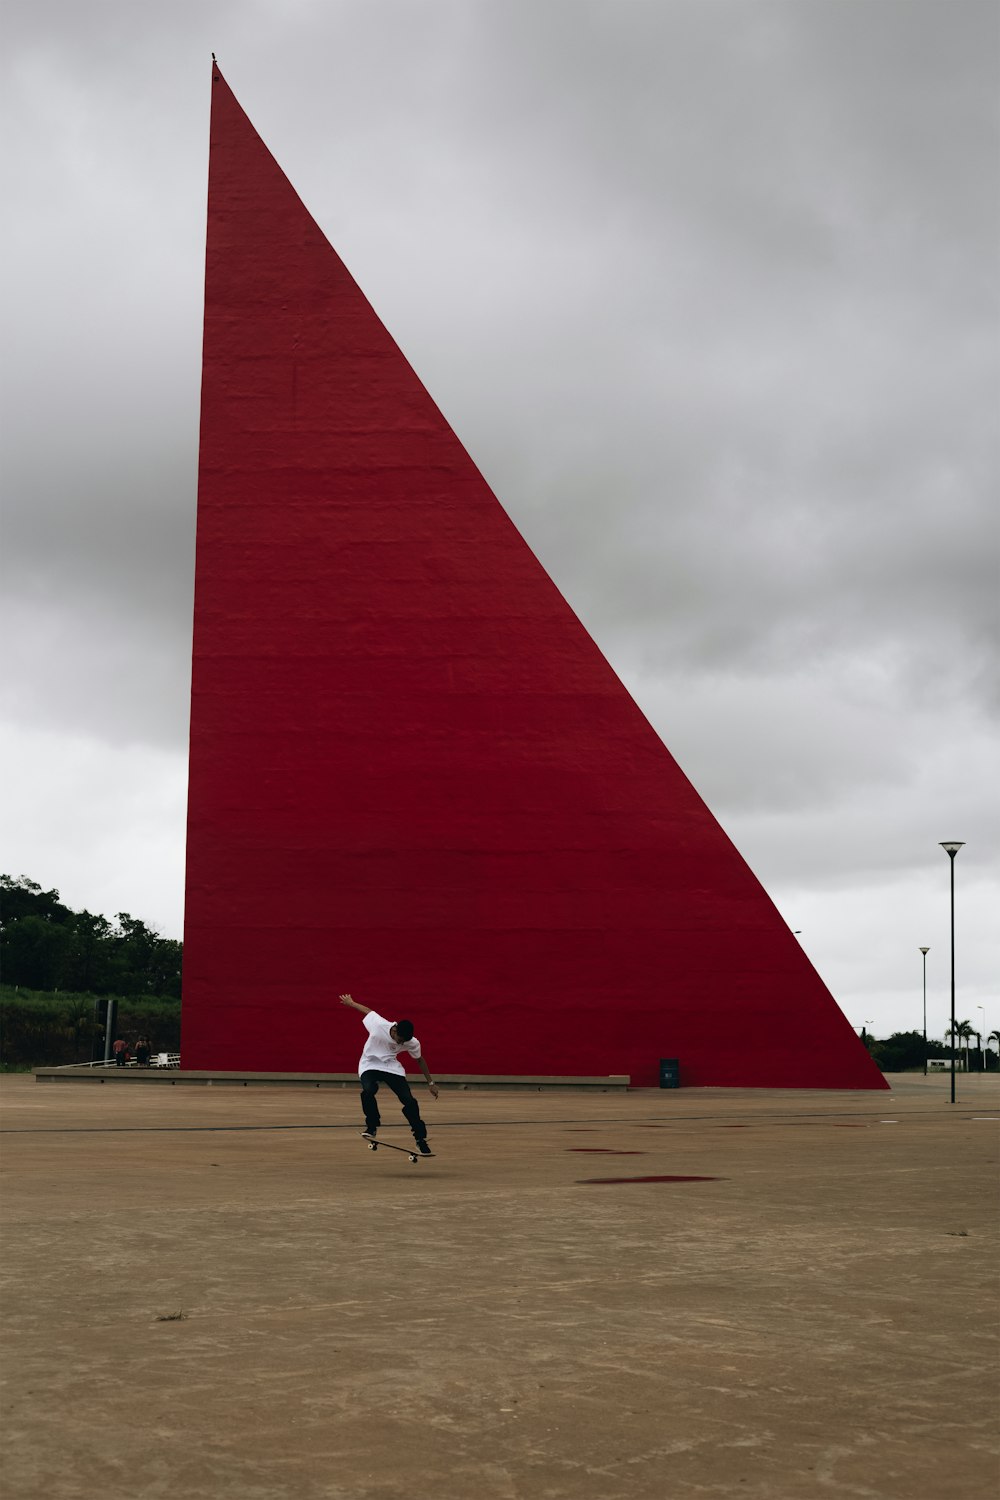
<point x="816" y="1319"/>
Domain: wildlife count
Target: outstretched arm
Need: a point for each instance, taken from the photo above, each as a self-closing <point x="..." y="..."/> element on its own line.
<point x="353" y="1005"/>
<point x="426" y="1072"/>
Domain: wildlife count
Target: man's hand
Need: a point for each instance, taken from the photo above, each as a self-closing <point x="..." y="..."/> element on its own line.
<point x="433" y="1088"/>
<point x="352" y="1004"/>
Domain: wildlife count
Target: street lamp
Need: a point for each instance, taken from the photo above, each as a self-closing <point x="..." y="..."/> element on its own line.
<point x="951" y="849"/>
<point x="982" y="1037"/>
<point x="925" y="952"/>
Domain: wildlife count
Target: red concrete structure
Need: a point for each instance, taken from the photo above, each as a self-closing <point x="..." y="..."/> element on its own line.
<point x="413" y="774"/>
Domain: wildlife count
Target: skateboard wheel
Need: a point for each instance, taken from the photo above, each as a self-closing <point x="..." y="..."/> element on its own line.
<point x="413" y="1159"/>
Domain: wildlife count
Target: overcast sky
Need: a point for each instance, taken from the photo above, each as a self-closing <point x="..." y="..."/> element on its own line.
<point x="708" y="288"/>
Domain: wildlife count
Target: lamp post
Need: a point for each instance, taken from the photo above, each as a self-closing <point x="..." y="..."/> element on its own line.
<point x="951" y="848"/>
<point x="925" y="952"/>
<point x="982" y="1036"/>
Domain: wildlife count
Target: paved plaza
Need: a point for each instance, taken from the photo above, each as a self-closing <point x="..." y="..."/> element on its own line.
<point x="212" y="1292"/>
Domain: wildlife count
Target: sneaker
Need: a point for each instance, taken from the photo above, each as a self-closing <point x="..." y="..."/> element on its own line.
<point x="370" y="1134"/>
<point x="424" y="1149"/>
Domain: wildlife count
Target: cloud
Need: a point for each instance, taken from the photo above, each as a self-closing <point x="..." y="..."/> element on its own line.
<point x="709" y="293"/>
<point x="102" y="825"/>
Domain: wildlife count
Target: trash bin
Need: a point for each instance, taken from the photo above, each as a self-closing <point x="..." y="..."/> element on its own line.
<point x="670" y="1073"/>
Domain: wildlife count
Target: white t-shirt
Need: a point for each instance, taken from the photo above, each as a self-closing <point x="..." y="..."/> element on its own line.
<point x="380" y="1049"/>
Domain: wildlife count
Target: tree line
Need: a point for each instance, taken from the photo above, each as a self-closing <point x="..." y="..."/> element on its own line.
<point x="903" y="1052"/>
<point x="60" y="969"/>
<point x="44" y="945"/>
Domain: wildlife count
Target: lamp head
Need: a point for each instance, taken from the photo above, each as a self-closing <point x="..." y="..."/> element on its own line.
<point x="925" y="951"/>
<point x="952" y="847"/>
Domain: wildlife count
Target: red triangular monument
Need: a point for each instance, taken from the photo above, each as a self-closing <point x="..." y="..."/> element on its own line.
<point x="413" y="774"/>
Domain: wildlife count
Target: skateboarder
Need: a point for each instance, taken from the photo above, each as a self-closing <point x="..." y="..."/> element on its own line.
<point x="386" y="1039"/>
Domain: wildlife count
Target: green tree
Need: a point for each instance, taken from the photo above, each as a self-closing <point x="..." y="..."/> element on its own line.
<point x="167" y="978"/>
<point x="89" y="964"/>
<point x="961" y="1032"/>
<point x="34" y="953"/>
<point x="135" y="946"/>
<point x="34" y="933"/>
<point x="58" y="963"/>
<point x="145" y="962"/>
<point x="25" y="898"/>
<point x="902" y="1050"/>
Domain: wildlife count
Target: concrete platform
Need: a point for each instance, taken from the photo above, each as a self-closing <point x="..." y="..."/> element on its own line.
<point x="214" y="1293"/>
<point x="614" y="1082"/>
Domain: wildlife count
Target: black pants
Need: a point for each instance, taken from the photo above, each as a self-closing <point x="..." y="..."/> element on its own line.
<point x="411" y="1109"/>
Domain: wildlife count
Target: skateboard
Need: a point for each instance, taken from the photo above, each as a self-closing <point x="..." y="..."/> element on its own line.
<point x="407" y="1150"/>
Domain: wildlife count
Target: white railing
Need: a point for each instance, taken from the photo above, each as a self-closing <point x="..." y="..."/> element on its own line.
<point x="157" y="1060"/>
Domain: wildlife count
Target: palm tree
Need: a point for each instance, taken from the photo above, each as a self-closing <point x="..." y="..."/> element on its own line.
<point x="994" y="1036"/>
<point x="961" y="1032"/>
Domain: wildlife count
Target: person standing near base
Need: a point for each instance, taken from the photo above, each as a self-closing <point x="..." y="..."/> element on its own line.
<point x="379" y="1064"/>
